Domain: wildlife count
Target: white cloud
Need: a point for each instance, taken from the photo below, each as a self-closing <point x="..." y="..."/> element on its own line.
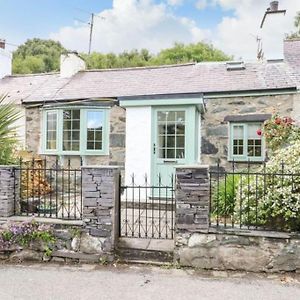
<point x="132" y="24"/>
<point x="201" y="4"/>
<point x="145" y="24"/>
<point x="236" y="35"/>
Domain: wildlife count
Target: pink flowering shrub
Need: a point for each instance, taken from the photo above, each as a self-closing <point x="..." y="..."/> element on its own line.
<point x="279" y="131"/>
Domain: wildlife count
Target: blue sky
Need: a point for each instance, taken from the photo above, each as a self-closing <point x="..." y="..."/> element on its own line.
<point x="128" y="24"/>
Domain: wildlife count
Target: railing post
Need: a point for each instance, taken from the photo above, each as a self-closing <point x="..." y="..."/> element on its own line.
<point x="9" y="190"/>
<point x="100" y="197"/>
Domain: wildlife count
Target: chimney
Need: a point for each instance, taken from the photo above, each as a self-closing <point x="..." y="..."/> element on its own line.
<point x="274" y="6"/>
<point x="5" y="60"/>
<point x="272" y="32"/>
<point x="70" y="64"/>
<point x="2" y="44"/>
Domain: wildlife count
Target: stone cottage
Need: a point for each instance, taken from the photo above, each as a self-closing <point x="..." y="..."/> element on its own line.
<point x="151" y="119"/>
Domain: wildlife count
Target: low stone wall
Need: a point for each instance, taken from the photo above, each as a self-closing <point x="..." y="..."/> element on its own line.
<point x="72" y="244"/>
<point x="253" y="252"/>
<point x="198" y="245"/>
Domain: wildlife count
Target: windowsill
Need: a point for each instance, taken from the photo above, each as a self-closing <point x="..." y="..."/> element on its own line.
<point x="74" y="154"/>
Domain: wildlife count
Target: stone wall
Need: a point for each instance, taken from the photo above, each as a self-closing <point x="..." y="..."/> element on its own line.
<point x="214" y="144"/>
<point x="198" y="245"/>
<point x="71" y="244"/>
<point x="9" y="183"/>
<point x="250" y="251"/>
<point x="101" y="203"/>
<point x="116" y="139"/>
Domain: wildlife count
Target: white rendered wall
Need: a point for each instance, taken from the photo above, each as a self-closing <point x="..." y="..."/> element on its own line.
<point x="138" y="144"/>
<point x="273" y="35"/>
<point x="5" y="63"/>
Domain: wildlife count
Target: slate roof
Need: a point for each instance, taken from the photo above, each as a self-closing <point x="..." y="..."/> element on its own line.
<point x="176" y="79"/>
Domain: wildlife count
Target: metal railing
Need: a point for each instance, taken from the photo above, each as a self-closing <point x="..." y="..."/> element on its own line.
<point x="47" y="189"/>
<point x="147" y="210"/>
<point x="255" y="197"/>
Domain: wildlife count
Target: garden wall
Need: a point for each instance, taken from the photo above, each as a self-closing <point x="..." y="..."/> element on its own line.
<point x="71" y="244"/>
<point x="95" y="237"/>
<point x="199" y="245"/>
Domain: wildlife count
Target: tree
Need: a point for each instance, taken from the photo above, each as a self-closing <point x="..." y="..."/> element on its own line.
<point x="37" y="56"/>
<point x="296" y="34"/>
<point x="8" y="116"/>
<point x="181" y="53"/>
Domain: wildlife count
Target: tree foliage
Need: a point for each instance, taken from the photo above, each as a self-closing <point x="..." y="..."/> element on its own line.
<point x="296" y="34"/>
<point x="39" y="56"/>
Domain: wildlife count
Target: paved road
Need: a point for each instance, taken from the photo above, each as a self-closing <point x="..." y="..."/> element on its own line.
<point x="136" y="282"/>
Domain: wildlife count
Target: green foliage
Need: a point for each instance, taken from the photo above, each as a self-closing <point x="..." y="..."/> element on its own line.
<point x="8" y="116"/>
<point x="22" y="234"/>
<point x="37" y="56"/>
<point x="296" y="34"/>
<point x="224" y="195"/>
<point x="181" y="53"/>
<point x="273" y="200"/>
<point x="279" y="131"/>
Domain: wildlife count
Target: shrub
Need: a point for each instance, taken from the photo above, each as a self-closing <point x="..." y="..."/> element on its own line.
<point x="8" y="116"/>
<point x="279" y="131"/>
<point x="273" y="199"/>
<point x="224" y="195"/>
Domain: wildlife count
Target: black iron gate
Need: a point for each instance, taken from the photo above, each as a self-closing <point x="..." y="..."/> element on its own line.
<point x="147" y="211"/>
<point x="49" y="189"/>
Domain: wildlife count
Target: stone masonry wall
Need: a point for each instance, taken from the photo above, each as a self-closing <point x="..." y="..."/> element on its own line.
<point x="116" y="139"/>
<point x="198" y="245"/>
<point x="214" y="143"/>
<point x="9" y="182"/>
<point x="192" y="203"/>
<point x="244" y="251"/>
<point x="71" y="244"/>
<point x="101" y="203"/>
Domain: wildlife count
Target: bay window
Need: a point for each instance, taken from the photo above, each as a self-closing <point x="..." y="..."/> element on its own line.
<point x="78" y="131"/>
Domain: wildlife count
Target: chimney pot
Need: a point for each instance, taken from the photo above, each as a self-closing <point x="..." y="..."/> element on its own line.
<point x="274" y="5"/>
<point x="2" y="44"/>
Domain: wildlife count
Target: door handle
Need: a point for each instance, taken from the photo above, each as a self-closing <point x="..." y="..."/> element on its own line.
<point x="154" y="148"/>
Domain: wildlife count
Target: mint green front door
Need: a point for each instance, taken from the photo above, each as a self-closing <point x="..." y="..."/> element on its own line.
<point x="174" y="141"/>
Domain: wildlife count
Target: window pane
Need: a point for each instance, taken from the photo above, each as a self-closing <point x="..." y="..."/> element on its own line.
<point x="252" y="131"/>
<point x="71" y="130"/>
<point x="95" y="121"/>
<point x="51" y="130"/>
<point x="171" y="134"/>
<point x="238" y="132"/>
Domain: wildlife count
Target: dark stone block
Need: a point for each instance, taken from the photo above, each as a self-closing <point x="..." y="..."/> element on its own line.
<point x="221" y="130"/>
<point x="207" y="147"/>
<point x="117" y="140"/>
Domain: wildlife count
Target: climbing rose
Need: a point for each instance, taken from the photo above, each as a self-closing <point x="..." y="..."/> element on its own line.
<point x="278" y="121"/>
<point x="259" y="132"/>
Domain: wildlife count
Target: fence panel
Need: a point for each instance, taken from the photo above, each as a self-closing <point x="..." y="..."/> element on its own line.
<point x="256" y="197"/>
<point x="49" y="190"/>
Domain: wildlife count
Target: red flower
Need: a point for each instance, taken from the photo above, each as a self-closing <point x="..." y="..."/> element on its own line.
<point x="277" y="120"/>
<point x="259" y="132"/>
